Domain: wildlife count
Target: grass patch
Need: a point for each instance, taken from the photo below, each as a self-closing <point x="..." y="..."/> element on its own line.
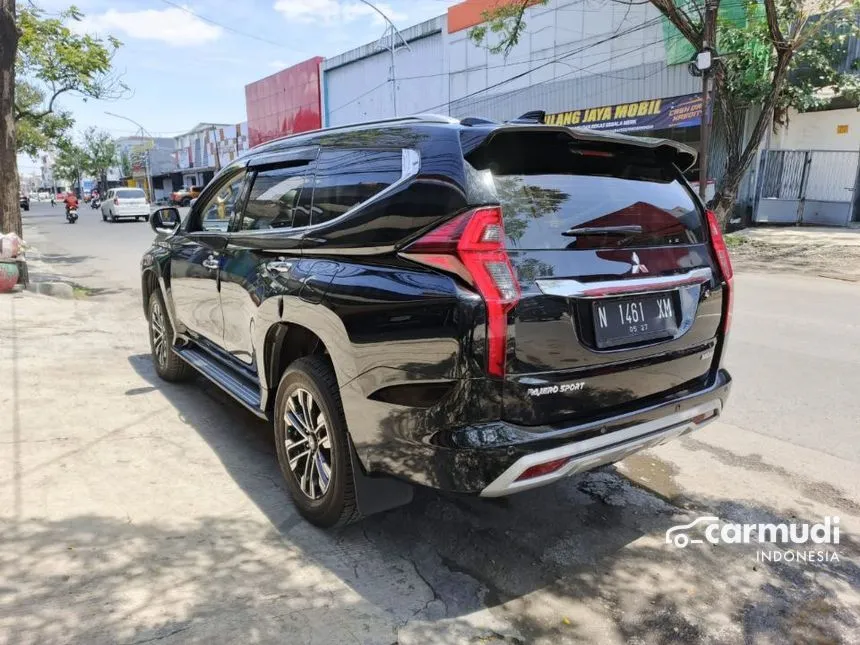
<point x="734" y="241"/>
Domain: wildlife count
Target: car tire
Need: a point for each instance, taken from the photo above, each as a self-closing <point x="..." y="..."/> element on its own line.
<point x="104" y="217"/>
<point x="167" y="364"/>
<point x="114" y="218"/>
<point x="308" y="392"/>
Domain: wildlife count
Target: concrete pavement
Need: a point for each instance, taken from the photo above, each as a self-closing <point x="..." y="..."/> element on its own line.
<point x="136" y="511"/>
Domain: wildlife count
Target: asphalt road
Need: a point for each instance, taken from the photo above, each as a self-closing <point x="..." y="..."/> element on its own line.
<point x="134" y="510"/>
<point x="794" y="352"/>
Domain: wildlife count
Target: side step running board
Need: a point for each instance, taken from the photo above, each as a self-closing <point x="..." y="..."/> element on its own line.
<point x="232" y="382"/>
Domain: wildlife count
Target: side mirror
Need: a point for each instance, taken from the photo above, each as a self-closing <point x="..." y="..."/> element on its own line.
<point x="165" y="221"/>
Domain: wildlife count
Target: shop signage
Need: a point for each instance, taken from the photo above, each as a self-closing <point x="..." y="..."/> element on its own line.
<point x="654" y="114"/>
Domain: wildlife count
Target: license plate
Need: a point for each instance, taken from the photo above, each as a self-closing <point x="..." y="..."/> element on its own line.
<point x="623" y="321"/>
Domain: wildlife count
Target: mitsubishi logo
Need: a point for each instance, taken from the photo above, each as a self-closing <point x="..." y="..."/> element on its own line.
<point x="638" y="267"/>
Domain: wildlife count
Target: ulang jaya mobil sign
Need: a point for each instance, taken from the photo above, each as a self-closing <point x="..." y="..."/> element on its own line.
<point x="653" y="114"/>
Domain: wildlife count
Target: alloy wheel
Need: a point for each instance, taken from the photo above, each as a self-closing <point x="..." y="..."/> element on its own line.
<point x="159" y="337"/>
<point x="307" y="443"/>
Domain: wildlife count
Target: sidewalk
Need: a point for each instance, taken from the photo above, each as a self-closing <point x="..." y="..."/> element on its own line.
<point x="827" y="252"/>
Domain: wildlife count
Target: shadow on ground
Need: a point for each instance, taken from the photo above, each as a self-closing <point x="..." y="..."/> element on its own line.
<point x="581" y="561"/>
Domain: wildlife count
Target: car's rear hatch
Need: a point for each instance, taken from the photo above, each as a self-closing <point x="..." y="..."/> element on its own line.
<point x="130" y="200"/>
<point x="620" y="293"/>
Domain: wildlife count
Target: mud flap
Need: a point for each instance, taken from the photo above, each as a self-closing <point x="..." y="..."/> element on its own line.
<point x="377" y="494"/>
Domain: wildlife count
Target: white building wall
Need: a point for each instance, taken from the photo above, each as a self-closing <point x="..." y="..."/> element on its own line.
<point x="572" y="55"/>
<point x="357" y="85"/>
<point x="819" y="131"/>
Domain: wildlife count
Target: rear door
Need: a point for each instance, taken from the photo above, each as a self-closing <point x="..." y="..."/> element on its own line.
<point x="130" y="201"/>
<point x="619" y="302"/>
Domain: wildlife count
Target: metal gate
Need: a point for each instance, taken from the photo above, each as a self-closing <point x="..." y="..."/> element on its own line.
<point x="807" y="187"/>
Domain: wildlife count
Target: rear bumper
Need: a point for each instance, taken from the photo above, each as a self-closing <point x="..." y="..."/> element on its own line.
<point x="143" y="211"/>
<point x="588" y="454"/>
<point x="488" y="459"/>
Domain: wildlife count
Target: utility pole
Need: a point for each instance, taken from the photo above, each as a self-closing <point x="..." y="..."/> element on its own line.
<point x="704" y="63"/>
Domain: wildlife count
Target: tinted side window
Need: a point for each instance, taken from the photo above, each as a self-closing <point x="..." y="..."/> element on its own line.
<point x="346" y="178"/>
<point x="279" y="199"/>
<point x="216" y="213"/>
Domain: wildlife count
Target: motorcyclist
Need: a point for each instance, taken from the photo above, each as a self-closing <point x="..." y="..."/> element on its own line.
<point x="71" y="201"/>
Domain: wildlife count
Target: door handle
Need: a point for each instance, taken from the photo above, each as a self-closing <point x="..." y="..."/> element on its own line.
<point x="211" y="263"/>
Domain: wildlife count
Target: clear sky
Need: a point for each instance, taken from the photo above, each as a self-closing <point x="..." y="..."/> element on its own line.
<point x="183" y="70"/>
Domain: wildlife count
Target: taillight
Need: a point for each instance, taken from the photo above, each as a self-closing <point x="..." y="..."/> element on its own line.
<point x="116" y="201"/>
<point x="718" y="246"/>
<point x="542" y="469"/>
<point x="472" y="245"/>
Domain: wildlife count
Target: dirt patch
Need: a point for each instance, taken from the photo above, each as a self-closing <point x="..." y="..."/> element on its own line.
<point x="811" y="258"/>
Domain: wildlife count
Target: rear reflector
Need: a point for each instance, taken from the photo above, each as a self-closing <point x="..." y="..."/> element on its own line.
<point x="721" y="251"/>
<point x="472" y="246"/>
<point x="543" y="469"/>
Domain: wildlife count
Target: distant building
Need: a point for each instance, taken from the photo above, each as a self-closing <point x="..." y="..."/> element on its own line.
<point x="158" y="151"/>
<point x="195" y="153"/>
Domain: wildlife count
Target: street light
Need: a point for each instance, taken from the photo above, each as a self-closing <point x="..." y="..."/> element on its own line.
<point x="394" y="32"/>
<point x="147" y="169"/>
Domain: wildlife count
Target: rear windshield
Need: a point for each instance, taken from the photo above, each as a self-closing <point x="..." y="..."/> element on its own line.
<point x="130" y="193"/>
<point x="558" y="193"/>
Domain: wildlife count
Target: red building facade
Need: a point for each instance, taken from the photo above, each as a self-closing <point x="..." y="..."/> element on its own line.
<point x="284" y="103"/>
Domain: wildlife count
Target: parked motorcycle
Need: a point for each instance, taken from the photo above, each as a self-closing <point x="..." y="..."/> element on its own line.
<point x="72" y="215"/>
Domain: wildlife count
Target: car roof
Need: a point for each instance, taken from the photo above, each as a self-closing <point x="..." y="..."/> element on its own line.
<point x="475" y="131"/>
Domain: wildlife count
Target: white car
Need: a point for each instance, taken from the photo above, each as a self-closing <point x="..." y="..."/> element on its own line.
<point x="125" y="203"/>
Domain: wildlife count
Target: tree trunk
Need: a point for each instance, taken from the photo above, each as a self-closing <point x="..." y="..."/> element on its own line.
<point x="10" y="213"/>
<point x="736" y="167"/>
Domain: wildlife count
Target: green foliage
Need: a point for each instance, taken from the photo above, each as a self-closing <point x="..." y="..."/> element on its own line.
<point x="38" y="134"/>
<point x="53" y="60"/>
<point x="504" y="21"/>
<point x="125" y="164"/>
<point x="101" y="150"/>
<point x="71" y="162"/>
<point x="818" y="69"/>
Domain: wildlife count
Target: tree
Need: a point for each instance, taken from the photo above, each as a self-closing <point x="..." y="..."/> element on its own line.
<point x="781" y="54"/>
<point x="125" y="165"/>
<point x="10" y="215"/>
<point x="102" y="154"/>
<point x="71" y="163"/>
<point x="42" y="59"/>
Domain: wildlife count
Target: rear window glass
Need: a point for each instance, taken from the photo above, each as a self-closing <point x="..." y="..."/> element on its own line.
<point x="130" y="193"/>
<point x="556" y="193"/>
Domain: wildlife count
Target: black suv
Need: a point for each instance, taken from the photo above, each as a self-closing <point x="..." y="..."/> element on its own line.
<point x="475" y="307"/>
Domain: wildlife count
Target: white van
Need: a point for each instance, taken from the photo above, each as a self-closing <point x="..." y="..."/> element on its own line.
<point x="125" y="203"/>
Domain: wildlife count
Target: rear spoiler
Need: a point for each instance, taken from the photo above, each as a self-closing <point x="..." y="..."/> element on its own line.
<point x="680" y="155"/>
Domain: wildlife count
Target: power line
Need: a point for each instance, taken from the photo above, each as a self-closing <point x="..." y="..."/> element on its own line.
<point x="615" y="35"/>
<point x="359" y="97"/>
<point x="222" y="25"/>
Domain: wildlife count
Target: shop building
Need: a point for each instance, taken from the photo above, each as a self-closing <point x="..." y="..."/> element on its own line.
<point x="195" y="155"/>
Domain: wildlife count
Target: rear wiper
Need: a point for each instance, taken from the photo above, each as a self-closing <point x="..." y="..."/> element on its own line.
<point x="603" y="230"/>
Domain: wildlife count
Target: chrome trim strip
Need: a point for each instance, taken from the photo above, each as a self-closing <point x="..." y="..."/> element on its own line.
<point x="598" y="451"/>
<point x="570" y="288"/>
